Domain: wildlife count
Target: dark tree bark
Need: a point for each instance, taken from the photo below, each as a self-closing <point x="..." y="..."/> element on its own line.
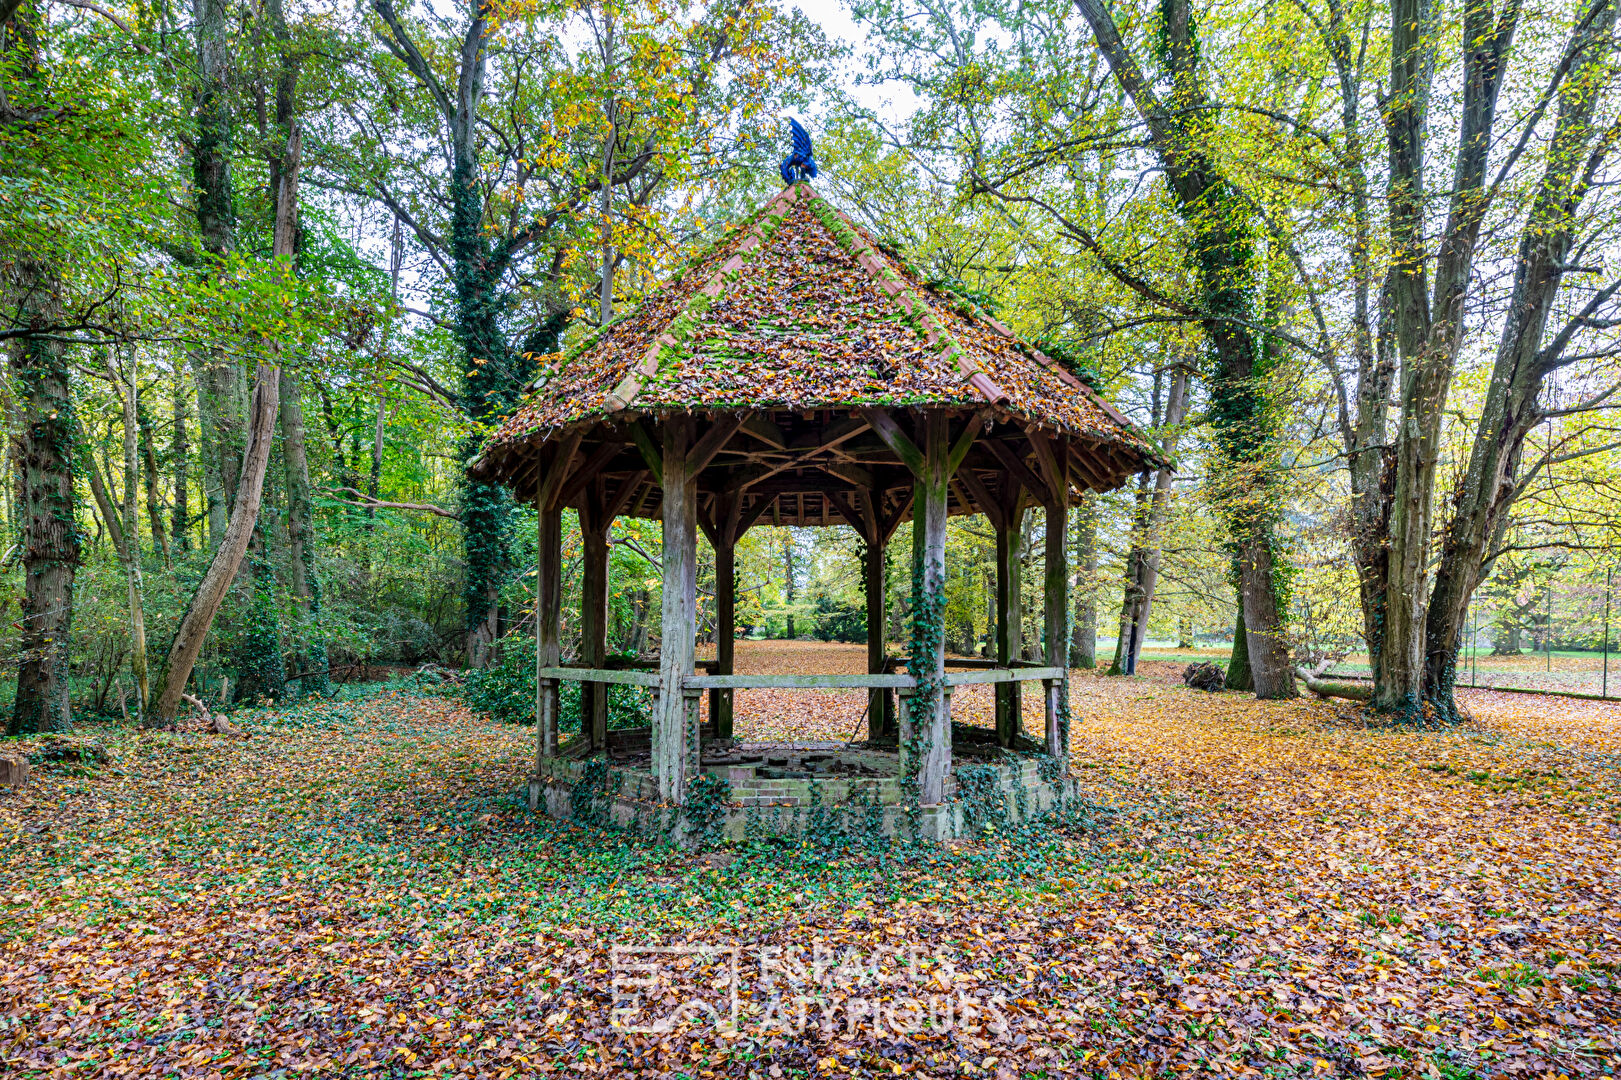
<point x="50" y="534"/>
<point x="43" y="452"/>
<point x="788" y="579"/>
<point x="180" y="452"/>
<point x="154" y="495"/>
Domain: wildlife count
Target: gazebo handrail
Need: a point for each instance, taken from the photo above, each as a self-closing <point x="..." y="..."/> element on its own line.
<point x="620" y="676"/>
<point x="1003" y="675"/>
<point x="830" y="681"/>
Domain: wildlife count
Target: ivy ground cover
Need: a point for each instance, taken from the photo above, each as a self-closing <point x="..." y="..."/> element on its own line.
<point x="1248" y="889"/>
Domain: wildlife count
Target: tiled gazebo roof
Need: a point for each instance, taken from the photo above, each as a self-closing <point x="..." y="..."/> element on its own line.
<point x="797" y="313"/>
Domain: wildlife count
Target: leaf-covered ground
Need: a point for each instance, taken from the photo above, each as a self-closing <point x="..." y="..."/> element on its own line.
<point x="1256" y="889"/>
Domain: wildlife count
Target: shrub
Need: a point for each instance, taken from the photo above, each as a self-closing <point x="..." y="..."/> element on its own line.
<point x="505" y="691"/>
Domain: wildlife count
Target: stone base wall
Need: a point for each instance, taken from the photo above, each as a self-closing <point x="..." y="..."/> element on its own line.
<point x="980" y="797"/>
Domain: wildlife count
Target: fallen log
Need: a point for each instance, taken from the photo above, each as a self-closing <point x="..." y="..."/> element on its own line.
<point x="1327" y="688"/>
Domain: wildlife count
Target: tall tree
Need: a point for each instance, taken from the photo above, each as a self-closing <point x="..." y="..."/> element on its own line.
<point x="44" y="450"/>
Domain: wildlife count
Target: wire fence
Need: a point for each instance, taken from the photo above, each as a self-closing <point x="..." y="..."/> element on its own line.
<point x="1546" y="631"/>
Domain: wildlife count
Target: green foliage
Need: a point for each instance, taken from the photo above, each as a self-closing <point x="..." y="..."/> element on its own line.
<point x="505" y="691"/>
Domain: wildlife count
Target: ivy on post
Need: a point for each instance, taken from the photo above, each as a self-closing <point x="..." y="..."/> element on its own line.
<point x="931" y="717"/>
<point x="671" y="754"/>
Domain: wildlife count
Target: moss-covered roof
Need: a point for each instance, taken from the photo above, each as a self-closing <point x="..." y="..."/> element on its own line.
<point x="798" y="308"/>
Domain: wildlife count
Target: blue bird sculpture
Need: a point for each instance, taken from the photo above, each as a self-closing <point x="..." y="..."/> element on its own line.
<point x="801" y="164"/>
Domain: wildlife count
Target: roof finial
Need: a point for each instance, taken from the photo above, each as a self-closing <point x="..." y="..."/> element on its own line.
<point x="801" y="164"/>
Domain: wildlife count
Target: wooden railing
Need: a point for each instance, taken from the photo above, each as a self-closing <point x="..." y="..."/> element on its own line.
<point x="968" y="673"/>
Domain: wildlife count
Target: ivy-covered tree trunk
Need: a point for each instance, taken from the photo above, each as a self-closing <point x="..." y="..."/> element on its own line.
<point x="1245" y="423"/>
<point x="50" y="533"/>
<point x="494" y="373"/>
<point x="1238" y="665"/>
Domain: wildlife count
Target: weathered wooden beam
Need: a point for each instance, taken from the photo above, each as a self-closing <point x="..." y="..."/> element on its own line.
<point x="838" y="434"/>
<point x="880" y="700"/>
<point x="764" y="430"/>
<point x="649" y="449"/>
<point x="1003" y="676"/>
<point x="854" y="475"/>
<point x="748" y="517"/>
<point x="719" y="433"/>
<point x="1015" y="464"/>
<point x="959" y="449"/>
<point x="930" y="715"/>
<point x="983" y="500"/>
<point x="1009" y="624"/>
<point x="852" y="517"/>
<point x="548" y="615"/>
<point x="589" y="469"/>
<point x="617" y="676"/>
<point x="1056" y="621"/>
<point x="615" y="503"/>
<point x="672" y="738"/>
<point x="796" y="682"/>
<point x="545" y="496"/>
<point x="894" y="438"/>
<point x="594" y="525"/>
<point x="1054" y="466"/>
<point x="720" y="703"/>
<point x="893" y="519"/>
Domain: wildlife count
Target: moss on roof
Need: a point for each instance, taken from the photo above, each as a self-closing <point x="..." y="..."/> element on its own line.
<point x="798" y="308"/>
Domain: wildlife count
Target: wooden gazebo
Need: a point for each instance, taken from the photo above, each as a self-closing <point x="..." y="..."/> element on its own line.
<point x="798" y="373"/>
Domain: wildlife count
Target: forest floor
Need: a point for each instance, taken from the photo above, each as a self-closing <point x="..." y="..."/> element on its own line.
<point x="1252" y="888"/>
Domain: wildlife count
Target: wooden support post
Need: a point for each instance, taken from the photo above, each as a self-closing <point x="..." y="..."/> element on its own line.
<point x="1057" y="597"/>
<point x="1051" y="688"/>
<point x="725" y="630"/>
<point x="873" y="580"/>
<point x="1009" y="617"/>
<point x="928" y="610"/>
<point x="594" y="523"/>
<point x="671" y="754"/>
<point x="548" y="611"/>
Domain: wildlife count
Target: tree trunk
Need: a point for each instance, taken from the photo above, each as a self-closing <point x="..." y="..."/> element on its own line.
<point x="305" y="582"/>
<point x="1239" y="675"/>
<point x="199" y="617"/>
<point x="1083" y="649"/>
<point x="262" y="412"/>
<point x="130" y="550"/>
<point x="180" y="452"/>
<point x="1224" y="261"/>
<point x="788" y="580"/>
<point x="50" y="534"/>
<point x="154" y="500"/>
<point x="1480" y="504"/>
